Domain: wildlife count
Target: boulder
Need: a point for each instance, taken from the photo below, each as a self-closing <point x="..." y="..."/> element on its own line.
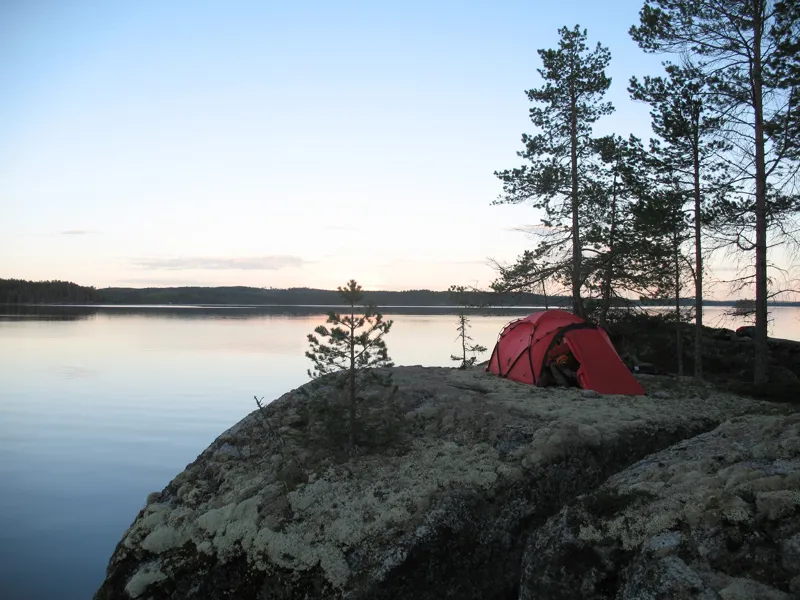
<point x="440" y="505"/>
<point x="712" y="517"/>
<point x="748" y="331"/>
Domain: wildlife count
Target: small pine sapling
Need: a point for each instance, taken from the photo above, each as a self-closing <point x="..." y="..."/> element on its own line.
<point x="458" y="293"/>
<point x="350" y="350"/>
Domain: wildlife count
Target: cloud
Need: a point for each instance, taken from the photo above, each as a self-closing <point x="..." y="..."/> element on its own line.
<point x="251" y="263"/>
<point x="75" y="232"/>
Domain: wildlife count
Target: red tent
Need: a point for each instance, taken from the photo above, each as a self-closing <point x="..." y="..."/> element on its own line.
<point x="526" y="345"/>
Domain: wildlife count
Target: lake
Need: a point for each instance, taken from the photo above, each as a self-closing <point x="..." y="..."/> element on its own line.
<point x="101" y="406"/>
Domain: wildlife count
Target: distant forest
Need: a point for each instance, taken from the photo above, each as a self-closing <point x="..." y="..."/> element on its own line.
<point x="304" y="296"/>
<point x="18" y="291"/>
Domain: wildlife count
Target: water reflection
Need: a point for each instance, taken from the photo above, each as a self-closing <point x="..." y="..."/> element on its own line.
<point x="67" y="313"/>
<point x="783" y="321"/>
<point x="16" y="312"/>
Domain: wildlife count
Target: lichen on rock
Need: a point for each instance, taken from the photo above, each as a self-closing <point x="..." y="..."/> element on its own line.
<point x="142" y="579"/>
<point x="469" y="465"/>
<point x="714" y="516"/>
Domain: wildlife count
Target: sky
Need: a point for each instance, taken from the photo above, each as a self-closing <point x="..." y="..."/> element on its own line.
<point x="277" y="144"/>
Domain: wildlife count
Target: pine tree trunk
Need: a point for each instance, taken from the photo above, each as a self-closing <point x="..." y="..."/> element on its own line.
<point x="698" y="267"/>
<point x="544" y="293"/>
<point x="610" y="260"/>
<point x="761" y="362"/>
<point x="352" y="391"/>
<point x="678" y="340"/>
<point x="577" y="302"/>
<point x="463" y="341"/>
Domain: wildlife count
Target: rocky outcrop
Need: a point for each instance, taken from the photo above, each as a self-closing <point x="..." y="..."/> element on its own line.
<point x="713" y="517"/>
<point x="470" y="465"/>
<point x="727" y="357"/>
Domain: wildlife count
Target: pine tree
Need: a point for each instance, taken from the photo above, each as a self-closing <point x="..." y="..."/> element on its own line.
<point x="566" y="107"/>
<point x="458" y="293"/>
<point x="354" y="346"/>
<point x="617" y="263"/>
<point x="740" y="46"/>
<point x="661" y="220"/>
<point x="783" y="69"/>
<point x="688" y="156"/>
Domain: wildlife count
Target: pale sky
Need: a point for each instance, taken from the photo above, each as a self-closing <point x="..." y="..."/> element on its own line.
<point x="160" y="143"/>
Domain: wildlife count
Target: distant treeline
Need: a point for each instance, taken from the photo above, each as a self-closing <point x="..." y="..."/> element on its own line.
<point x="304" y="296"/>
<point x="19" y="291"/>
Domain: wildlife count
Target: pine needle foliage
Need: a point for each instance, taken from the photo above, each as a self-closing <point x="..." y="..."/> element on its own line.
<point x="348" y="349"/>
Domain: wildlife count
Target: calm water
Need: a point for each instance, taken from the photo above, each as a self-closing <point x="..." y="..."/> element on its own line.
<point x="99" y="407"/>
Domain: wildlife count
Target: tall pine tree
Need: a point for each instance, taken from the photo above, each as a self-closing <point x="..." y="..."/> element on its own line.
<point x="565" y="108"/>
